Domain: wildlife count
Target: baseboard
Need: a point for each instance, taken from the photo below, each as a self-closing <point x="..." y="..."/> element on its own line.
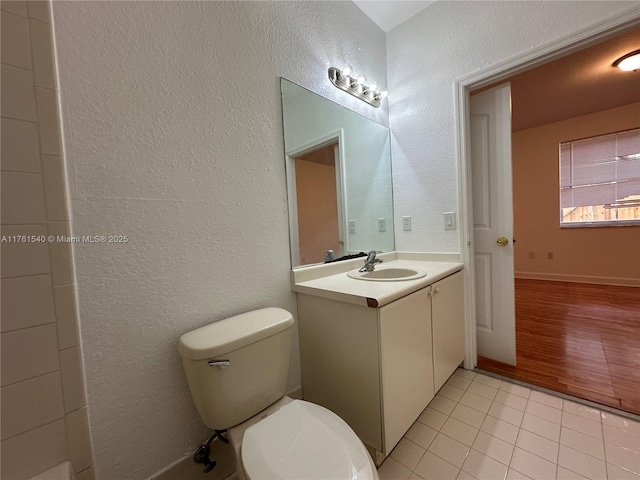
<point x="561" y="277"/>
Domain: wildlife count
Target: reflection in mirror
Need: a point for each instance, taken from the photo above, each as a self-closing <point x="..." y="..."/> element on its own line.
<point x="338" y="178"/>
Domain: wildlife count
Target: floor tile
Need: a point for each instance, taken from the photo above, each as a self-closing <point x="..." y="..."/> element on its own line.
<point x="493" y="447"/>
<point x="542" y="427"/>
<point x="459" y="431"/>
<point x="476" y="401"/>
<point x="616" y="473"/>
<point x="533" y="466"/>
<point x="583" y="443"/>
<point x="449" y="449"/>
<point x="432" y="418"/>
<point x="546" y="399"/>
<point x="507" y="414"/>
<point x="482" y="390"/>
<point x="407" y="453"/>
<point x="582" y="425"/>
<point x="468" y="374"/>
<point x="393" y="470"/>
<point x="465" y="476"/>
<point x="421" y="434"/>
<point x="516" y="389"/>
<point x="623" y="458"/>
<point x="582" y="463"/>
<point x="621" y="423"/>
<point x="538" y="445"/>
<point x="520" y="435"/>
<point x="564" y="474"/>
<point x="544" y="411"/>
<point x="452" y="393"/>
<point x="459" y="382"/>
<point x="432" y="466"/>
<point x="581" y="410"/>
<point x="487" y="380"/>
<point x="442" y="404"/>
<point x="621" y="438"/>
<point x="515" y="475"/>
<point x="500" y="429"/>
<point x="483" y="467"/>
<point x="468" y="415"/>
<point x="511" y="400"/>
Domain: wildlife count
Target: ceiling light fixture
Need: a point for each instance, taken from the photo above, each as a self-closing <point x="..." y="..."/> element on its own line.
<point x="357" y="86"/>
<point x="631" y="61"/>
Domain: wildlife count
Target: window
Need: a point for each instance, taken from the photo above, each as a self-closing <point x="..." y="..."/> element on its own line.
<point x="600" y="180"/>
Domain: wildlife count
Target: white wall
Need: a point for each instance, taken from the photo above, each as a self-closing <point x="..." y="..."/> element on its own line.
<point x="173" y="135"/>
<point x="425" y="56"/>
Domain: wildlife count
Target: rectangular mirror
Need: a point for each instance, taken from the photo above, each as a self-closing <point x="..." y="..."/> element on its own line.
<point x="339" y="181"/>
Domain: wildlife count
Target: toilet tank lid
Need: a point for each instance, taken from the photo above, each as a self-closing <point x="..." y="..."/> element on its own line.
<point x="232" y="333"/>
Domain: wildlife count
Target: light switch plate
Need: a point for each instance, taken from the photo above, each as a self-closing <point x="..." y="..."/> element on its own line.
<point x="382" y="225"/>
<point x="449" y="221"/>
<point x="352" y="226"/>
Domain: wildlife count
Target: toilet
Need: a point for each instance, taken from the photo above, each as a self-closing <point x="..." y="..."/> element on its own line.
<point x="237" y="370"/>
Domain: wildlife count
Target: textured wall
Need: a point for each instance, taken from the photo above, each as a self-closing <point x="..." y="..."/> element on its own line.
<point x="173" y="134"/>
<point x="426" y="55"/>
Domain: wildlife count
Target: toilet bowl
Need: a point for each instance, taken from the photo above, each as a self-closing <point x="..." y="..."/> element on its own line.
<point x="299" y="440"/>
<point x="237" y="370"/>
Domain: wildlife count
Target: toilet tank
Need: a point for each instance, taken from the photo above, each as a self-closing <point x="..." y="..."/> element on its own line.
<point x="257" y="346"/>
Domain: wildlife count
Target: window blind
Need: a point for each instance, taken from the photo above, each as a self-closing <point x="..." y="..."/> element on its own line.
<point x="603" y="170"/>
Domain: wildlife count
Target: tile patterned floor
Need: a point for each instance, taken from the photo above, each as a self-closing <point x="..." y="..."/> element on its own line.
<point x="480" y="427"/>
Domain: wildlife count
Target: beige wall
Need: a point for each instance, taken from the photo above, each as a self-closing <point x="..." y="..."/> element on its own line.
<point x="44" y="413"/>
<point x="317" y="210"/>
<point x="594" y="254"/>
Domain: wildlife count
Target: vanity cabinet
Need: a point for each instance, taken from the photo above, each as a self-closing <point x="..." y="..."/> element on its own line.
<point x="447" y="312"/>
<point x="378" y="368"/>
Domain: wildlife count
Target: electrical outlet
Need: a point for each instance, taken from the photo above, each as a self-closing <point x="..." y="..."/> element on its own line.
<point x="382" y="224"/>
<point x="549" y="255"/>
<point x="406" y="224"/>
<point x="532" y="255"/>
<point x="352" y="226"/>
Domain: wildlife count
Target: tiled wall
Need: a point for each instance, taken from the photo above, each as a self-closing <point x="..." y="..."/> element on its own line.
<point x="44" y="408"/>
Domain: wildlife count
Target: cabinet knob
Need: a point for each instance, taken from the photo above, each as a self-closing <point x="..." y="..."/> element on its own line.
<point x="436" y="291"/>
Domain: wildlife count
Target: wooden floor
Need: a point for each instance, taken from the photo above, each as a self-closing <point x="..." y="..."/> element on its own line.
<point x="578" y="339"/>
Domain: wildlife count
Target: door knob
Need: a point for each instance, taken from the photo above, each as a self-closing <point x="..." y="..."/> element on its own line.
<point x="502" y="241"/>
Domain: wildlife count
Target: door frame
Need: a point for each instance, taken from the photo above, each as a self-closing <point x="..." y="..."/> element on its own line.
<point x="290" y="156"/>
<point x="577" y="40"/>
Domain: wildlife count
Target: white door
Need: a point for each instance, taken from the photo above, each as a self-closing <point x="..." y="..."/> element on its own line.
<point x="493" y="223"/>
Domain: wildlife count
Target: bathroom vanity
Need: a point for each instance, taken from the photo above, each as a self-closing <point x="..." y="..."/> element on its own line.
<point x="376" y="352"/>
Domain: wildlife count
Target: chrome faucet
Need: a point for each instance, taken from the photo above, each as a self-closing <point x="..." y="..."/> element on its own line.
<point x="370" y="262"/>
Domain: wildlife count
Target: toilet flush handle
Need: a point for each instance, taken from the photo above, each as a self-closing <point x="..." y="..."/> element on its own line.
<point x="222" y="364"/>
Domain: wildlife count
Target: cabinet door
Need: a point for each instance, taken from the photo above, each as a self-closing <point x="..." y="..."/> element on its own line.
<point x="406" y="363"/>
<point x="339" y="355"/>
<point x="448" y="327"/>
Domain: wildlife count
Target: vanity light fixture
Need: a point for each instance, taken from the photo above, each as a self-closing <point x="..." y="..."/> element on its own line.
<point x="357" y="87"/>
<point x="629" y="62"/>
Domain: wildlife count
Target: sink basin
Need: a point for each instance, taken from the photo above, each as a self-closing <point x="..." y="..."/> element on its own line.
<point x="388" y="274"/>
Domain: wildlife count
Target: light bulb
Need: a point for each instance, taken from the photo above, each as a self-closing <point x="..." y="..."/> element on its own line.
<point x="373" y="87"/>
<point x="361" y="79"/>
<point x="383" y="94"/>
<point x="346" y="70"/>
<point x="630" y="63"/>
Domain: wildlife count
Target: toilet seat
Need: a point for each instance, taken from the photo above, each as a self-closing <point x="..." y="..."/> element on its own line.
<point x="302" y="440"/>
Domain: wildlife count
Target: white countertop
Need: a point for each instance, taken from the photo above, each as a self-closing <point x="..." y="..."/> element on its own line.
<point x="331" y="280"/>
